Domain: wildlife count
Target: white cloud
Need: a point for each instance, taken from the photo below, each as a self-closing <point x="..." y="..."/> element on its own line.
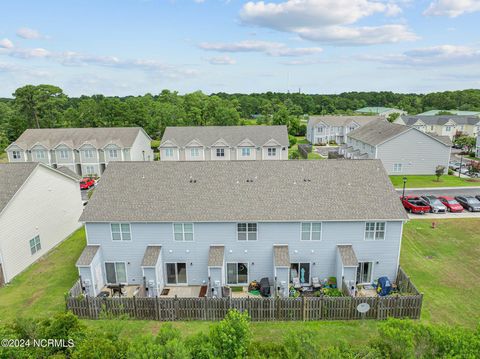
<point x="221" y="60"/>
<point x="328" y="21"/>
<point x="30" y="34"/>
<point x="442" y="55"/>
<point x="6" y="44"/>
<point x="267" y="47"/>
<point x="452" y="8"/>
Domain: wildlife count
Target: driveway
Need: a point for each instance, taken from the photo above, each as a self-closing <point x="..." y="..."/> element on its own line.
<point x="443" y="191"/>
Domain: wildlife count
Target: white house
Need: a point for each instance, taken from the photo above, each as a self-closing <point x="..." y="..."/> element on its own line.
<point x="402" y="149"/>
<point x="187" y="224"/>
<point x="39" y="207"/>
<point x="86" y="151"/>
<point x="478" y="146"/>
<point x="379" y="111"/>
<point x="224" y="143"/>
<point x="444" y="125"/>
<point x="326" y="129"/>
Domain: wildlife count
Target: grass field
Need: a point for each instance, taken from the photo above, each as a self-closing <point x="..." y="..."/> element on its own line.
<point x="3" y="157"/>
<point x="431" y="181"/>
<point x="442" y="262"/>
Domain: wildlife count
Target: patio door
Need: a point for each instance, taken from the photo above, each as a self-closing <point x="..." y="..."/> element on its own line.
<point x="116" y="272"/>
<point x="176" y="273"/>
<point x="237" y="273"/>
<point x="300" y="271"/>
<point x="364" y="272"/>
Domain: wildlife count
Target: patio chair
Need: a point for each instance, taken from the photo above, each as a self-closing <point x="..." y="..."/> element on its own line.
<point x="316" y="283"/>
<point x="296" y="283"/>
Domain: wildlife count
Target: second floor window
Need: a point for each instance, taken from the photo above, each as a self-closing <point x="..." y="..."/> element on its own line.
<point x="63" y="154"/>
<point x="168" y="152"/>
<point x="195" y="152"/>
<point x="374" y="231"/>
<point x="88" y="153"/>
<point x="40" y="154"/>
<point x="246" y="152"/>
<point x="397" y="167"/>
<point x="311" y="231"/>
<point x="247" y="231"/>
<point x="448" y="128"/>
<point x="121" y="232"/>
<point x="183" y="231"/>
<point x="220" y="152"/>
<point x="16" y="155"/>
<point x="272" y="151"/>
<point x="113" y="153"/>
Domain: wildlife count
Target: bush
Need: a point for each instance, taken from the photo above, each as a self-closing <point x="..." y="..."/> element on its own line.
<point x="294" y="155"/>
<point x="167" y="333"/>
<point x="292" y="140"/>
<point x="231" y="337"/>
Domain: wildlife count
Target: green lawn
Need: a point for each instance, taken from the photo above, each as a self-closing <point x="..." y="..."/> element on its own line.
<point x="39" y="290"/>
<point x="442" y="262"/>
<point x="431" y="181"/>
<point x="3" y="157"/>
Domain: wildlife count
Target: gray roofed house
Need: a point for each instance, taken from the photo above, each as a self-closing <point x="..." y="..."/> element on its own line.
<point x="69" y="172"/>
<point x="228" y="223"/>
<point x="12" y="177"/>
<point x="85" y="151"/>
<point x="243" y="190"/>
<point x="325" y="129"/>
<point x="402" y="149"/>
<point x="224" y="143"/>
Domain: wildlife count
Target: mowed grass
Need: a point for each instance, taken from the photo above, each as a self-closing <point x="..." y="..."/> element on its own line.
<point x="39" y="290"/>
<point x="3" y="157"/>
<point x="431" y="181"/>
<point x="444" y="264"/>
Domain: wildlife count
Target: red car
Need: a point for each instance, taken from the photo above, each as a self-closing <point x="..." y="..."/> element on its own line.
<point x="451" y="204"/>
<point x="86" y="183"/>
<point x="414" y="204"/>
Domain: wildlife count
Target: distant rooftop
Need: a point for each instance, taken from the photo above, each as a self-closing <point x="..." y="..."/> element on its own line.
<point x="453" y="112"/>
<point x="339" y="120"/>
<point x="377" y="110"/>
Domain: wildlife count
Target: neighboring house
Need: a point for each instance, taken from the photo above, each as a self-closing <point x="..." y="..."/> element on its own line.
<point x="445" y="125"/>
<point x="478" y="146"/>
<point x="224" y="143"/>
<point x="326" y="129"/>
<point x="39" y="207"/>
<point x="85" y="151"/>
<point x="453" y="112"/>
<point x="213" y="223"/>
<point x="402" y="149"/>
<point x="380" y="111"/>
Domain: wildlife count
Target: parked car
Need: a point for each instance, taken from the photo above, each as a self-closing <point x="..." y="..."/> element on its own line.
<point x="436" y="206"/>
<point x="414" y="204"/>
<point x="87" y="183"/>
<point x="455" y="165"/>
<point x="451" y="204"/>
<point x="478" y="197"/>
<point x="470" y="203"/>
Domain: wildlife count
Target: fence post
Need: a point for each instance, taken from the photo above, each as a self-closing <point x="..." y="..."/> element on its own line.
<point x="175" y="306"/>
<point x="205" y="311"/>
<point x="157" y="308"/>
<point x="135" y="307"/>
<point x="303" y="308"/>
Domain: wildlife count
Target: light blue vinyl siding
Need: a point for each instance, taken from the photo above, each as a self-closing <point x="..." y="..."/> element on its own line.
<point x="258" y="254"/>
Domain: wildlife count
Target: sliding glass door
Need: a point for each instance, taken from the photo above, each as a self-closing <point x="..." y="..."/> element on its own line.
<point x="300" y="271"/>
<point x="176" y="273"/>
<point x="116" y="272"/>
<point x="364" y="272"/>
<point x="237" y="273"/>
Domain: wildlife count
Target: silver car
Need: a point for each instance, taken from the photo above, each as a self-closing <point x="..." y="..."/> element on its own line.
<point x="435" y="204"/>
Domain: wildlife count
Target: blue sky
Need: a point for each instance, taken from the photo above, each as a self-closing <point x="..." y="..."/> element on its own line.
<point x="131" y="47"/>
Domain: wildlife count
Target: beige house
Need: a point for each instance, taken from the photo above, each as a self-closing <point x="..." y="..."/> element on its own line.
<point x="224" y="143"/>
<point x="85" y="151"/>
<point x="39" y="207"/>
<point x="445" y="125"/>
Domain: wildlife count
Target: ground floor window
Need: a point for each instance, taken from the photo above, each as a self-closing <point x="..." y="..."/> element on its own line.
<point x="364" y="272"/>
<point x="89" y="170"/>
<point x="116" y="272"/>
<point x="237" y="273"/>
<point x="35" y="245"/>
<point x="300" y="271"/>
<point x="176" y="273"/>
<point x="397" y="167"/>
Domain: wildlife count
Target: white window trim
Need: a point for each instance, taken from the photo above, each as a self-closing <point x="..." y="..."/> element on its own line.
<point x="126" y="272"/>
<point x="16" y="157"/>
<point x="183" y="231"/>
<point x="396" y="167"/>
<point x="311" y="233"/>
<point x="176" y="275"/>
<point x="62" y="152"/>
<point x="375" y="231"/>
<point x="121" y="233"/>
<point x="35" y="245"/>
<point x="310" y="272"/>
<point x="237" y="284"/>
<point x="273" y="149"/>
<point x="247" y="232"/>
<point x="220" y="149"/>
<point x="196" y="150"/>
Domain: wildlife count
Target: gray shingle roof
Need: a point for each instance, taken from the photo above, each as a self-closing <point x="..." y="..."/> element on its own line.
<point x="76" y="137"/>
<point x="150" y="258"/>
<point x="233" y="135"/>
<point x="347" y="254"/>
<point x="442" y="119"/>
<point x="87" y="255"/>
<point x="281" y="256"/>
<point x="218" y="191"/>
<point x="12" y="177"/>
<point x="343" y="120"/>
<point x="69" y="172"/>
<point x="379" y="132"/>
<point x="215" y="256"/>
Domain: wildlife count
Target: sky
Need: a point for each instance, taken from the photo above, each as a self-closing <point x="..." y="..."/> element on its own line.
<point x="133" y="47"/>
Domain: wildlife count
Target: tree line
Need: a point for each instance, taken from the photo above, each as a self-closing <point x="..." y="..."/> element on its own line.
<point x="231" y="338"/>
<point x="45" y="106"/>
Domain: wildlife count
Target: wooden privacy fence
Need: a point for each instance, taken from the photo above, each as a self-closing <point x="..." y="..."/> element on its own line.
<point x="259" y="309"/>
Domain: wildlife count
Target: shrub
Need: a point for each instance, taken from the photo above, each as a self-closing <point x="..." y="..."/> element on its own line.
<point x="231" y="337"/>
<point x="294" y="155"/>
<point x="200" y="346"/>
<point x="292" y="140"/>
<point x="301" y="345"/>
<point x="167" y="333"/>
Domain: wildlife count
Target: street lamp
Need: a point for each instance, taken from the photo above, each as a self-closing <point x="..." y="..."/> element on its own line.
<point x="404" y="184"/>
